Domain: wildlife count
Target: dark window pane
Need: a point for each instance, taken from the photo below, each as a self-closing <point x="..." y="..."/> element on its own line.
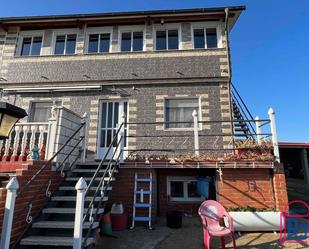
<point x="173" y="39"/>
<point x="192" y="189"/>
<point x="199" y="38"/>
<point x="126" y="42"/>
<point x="93" y="43"/>
<point x="71" y="44"/>
<point x="59" y="47"/>
<point x="104" y="42"/>
<point x="161" y="40"/>
<point x="116" y="113"/>
<point x="137" y="41"/>
<point x="36" y="46"/>
<point x="40" y="111"/>
<point x="180" y="110"/>
<point x="109" y="138"/>
<point x="102" y="142"/>
<point x="211" y="37"/>
<point x="25" y="49"/>
<point x="110" y="115"/>
<point x="177" y="189"/>
<point x="104" y="113"/>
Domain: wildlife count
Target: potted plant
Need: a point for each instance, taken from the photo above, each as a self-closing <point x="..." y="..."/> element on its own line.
<point x="252" y="219"/>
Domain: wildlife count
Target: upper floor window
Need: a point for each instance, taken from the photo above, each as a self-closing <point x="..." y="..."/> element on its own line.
<point x="99" y="43"/>
<point x="167" y="39"/>
<point x="65" y="44"/>
<point x="30" y="43"/>
<point x="178" y="112"/>
<point x="132" y="41"/>
<point x="206" y="35"/>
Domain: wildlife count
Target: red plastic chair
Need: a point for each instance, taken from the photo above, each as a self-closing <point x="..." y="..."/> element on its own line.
<point x="211" y="213"/>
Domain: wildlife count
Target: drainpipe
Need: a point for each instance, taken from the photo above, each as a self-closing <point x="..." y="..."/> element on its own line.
<point x="228" y="55"/>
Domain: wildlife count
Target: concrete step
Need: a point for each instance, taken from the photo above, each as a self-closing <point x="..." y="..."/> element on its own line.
<point x="73" y="198"/>
<point x="72" y="188"/>
<point x="51" y="241"/>
<point x="62" y="224"/>
<point x="88" y="179"/>
<point x="66" y="210"/>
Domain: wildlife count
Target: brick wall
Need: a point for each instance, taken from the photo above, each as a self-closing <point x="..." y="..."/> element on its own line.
<point x="252" y="187"/>
<point x="37" y="190"/>
<point x="280" y="188"/>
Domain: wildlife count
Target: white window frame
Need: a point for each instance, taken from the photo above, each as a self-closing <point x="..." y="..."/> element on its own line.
<point x="65" y="32"/>
<point x="98" y="31"/>
<point x="207" y="25"/>
<point x="30" y="108"/>
<point x="26" y="34"/>
<point x="166" y="27"/>
<point x="185" y="180"/>
<point x="131" y="29"/>
<point x="179" y="98"/>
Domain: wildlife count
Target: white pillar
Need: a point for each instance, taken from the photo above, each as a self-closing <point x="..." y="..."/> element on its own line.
<point x="52" y="136"/>
<point x="85" y="129"/>
<point x="305" y="166"/>
<point x="195" y="129"/>
<point x="258" y="129"/>
<point x="121" y="136"/>
<point x="11" y="187"/>
<point x="273" y="129"/>
<point x="80" y="187"/>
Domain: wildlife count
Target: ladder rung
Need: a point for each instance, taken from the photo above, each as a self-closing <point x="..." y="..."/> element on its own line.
<point x="141" y="218"/>
<point x="143" y="180"/>
<point x="142" y="205"/>
<point x="146" y="192"/>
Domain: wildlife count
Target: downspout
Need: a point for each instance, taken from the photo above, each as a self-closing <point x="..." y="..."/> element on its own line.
<point x="228" y="55"/>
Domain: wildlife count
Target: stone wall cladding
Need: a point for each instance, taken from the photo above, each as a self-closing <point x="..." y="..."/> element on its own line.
<point x="102" y="68"/>
<point x="146" y="105"/>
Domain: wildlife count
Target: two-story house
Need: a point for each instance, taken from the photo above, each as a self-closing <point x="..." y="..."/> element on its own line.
<point x="152" y="69"/>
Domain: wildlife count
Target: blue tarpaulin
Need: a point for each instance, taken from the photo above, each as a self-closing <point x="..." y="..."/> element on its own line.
<point x="203" y="186"/>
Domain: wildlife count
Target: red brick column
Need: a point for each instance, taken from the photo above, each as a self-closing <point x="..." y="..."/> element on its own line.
<point x="280" y="189"/>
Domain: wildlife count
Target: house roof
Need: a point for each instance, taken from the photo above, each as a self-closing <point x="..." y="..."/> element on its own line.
<point x="293" y="145"/>
<point x="116" y="17"/>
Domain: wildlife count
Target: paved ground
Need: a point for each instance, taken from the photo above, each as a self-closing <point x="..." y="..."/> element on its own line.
<point x="188" y="237"/>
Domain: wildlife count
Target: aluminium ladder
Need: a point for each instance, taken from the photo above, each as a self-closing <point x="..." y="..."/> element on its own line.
<point x="141" y="204"/>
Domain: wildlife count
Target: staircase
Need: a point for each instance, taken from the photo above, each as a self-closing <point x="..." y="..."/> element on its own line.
<point x="55" y="225"/>
<point x="243" y="120"/>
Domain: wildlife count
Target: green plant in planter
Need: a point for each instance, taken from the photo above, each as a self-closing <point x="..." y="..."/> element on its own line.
<point x="250" y="209"/>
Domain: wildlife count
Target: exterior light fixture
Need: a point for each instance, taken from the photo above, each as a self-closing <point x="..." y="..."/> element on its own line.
<point x="9" y="115"/>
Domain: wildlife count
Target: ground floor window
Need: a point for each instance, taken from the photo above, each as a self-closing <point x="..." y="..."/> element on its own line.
<point x="183" y="188"/>
<point x="41" y="111"/>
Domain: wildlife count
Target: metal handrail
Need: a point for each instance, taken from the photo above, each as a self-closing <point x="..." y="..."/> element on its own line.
<point x="102" y="186"/>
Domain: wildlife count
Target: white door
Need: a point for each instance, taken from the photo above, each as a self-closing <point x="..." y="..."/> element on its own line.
<point x="110" y="115"/>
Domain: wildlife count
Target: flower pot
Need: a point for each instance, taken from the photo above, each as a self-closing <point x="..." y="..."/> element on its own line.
<point x="255" y="221"/>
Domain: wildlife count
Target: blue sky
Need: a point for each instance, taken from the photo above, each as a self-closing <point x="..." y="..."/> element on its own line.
<point x="270" y="54"/>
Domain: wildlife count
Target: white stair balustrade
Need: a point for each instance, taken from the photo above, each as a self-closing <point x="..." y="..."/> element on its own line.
<point x="17" y="129"/>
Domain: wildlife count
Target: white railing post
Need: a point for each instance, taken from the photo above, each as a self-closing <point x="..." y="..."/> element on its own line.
<point x="11" y="187"/>
<point x="195" y="128"/>
<point x="273" y="129"/>
<point x="258" y="130"/>
<point x="16" y="141"/>
<point x="24" y="141"/>
<point x="52" y="133"/>
<point x="121" y="136"/>
<point x="85" y="129"/>
<point x="80" y="187"/>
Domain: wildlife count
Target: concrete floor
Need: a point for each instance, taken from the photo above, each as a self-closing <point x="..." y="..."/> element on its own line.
<point x="188" y="237"/>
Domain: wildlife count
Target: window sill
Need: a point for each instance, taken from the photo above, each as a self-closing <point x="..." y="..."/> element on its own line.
<point x="120" y="53"/>
<point x="186" y="201"/>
